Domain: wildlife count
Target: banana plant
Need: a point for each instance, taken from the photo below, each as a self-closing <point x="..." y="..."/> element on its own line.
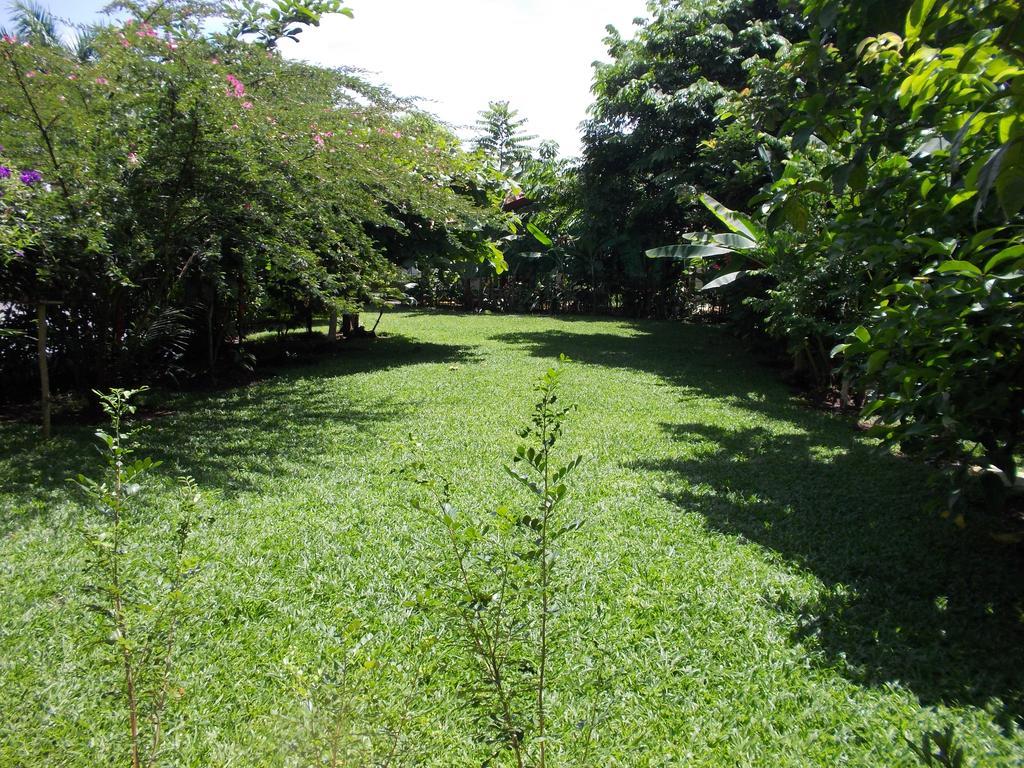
<point x="743" y="237"/>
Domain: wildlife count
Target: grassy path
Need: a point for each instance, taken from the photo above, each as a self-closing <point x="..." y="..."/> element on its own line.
<point x="755" y="587"/>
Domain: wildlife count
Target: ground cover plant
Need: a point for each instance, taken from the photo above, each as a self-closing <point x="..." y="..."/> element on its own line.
<point x="755" y="584"/>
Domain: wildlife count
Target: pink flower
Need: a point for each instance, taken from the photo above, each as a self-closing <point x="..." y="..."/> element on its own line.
<point x="246" y="105"/>
<point x="146" y="31"/>
<point x="318" y="139"/>
<point x="10" y="39"/>
<point x="31" y="73"/>
<point x="237" y="88"/>
<point x="171" y="45"/>
<point x="235" y="126"/>
<point x="125" y="43"/>
<point x="215" y="60"/>
<point x="133" y="158"/>
<point x="72" y="76"/>
<point x="102" y="81"/>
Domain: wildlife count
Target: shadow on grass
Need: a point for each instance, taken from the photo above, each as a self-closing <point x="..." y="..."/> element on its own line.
<point x="908" y="597"/>
<point x="230" y="439"/>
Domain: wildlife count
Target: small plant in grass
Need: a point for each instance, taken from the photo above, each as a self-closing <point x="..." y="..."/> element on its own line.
<point x="353" y="709"/>
<point x="138" y="611"/>
<point x="502" y="582"/>
<point x="939" y="748"/>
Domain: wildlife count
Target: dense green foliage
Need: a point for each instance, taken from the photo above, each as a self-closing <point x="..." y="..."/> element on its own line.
<point x="895" y="218"/>
<point x="753" y="585"/>
<point x="651" y="147"/>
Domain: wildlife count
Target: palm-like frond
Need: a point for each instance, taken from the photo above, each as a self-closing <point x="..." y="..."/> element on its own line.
<point x="83" y="42"/>
<point x="34" y="23"/>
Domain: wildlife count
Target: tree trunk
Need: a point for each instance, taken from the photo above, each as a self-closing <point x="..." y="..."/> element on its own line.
<point x="332" y="329"/>
<point x="349" y="325"/>
<point x="44" y="369"/>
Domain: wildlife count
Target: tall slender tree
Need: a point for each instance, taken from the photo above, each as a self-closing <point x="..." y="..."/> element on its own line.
<point x="502" y="137"/>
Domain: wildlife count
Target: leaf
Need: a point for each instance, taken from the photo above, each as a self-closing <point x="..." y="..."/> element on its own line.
<point x="960" y="197"/>
<point x="1010" y="181"/>
<point x="497" y="258"/>
<point x="961" y="135"/>
<point x="841" y="177"/>
<point x="796" y="214"/>
<point x="724" y="280"/>
<point x="877" y="359"/>
<point x="862" y="334"/>
<point x="682" y="252"/>
<point x="727" y="239"/>
<point x="1007" y="254"/>
<point x="859" y="177"/>
<point x="735" y="221"/>
<point x="957" y="265"/>
<point x="542" y="238"/>
<point x="802" y="136"/>
<point x="986" y="178"/>
<point x="916" y="19"/>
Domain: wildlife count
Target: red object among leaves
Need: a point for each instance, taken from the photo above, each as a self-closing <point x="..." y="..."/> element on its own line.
<point x="515" y="203"/>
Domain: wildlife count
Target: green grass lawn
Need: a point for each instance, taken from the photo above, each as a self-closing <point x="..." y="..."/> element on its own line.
<point x="753" y="586"/>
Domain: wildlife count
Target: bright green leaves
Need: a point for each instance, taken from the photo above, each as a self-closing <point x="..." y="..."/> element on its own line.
<point x="744" y="236"/>
<point x="916" y="19"/>
<point x="960" y="267"/>
<point x="730" y="240"/>
<point x="734" y="220"/>
<point x="724" y="280"/>
<point x="281" y="20"/>
<point x="496" y="258"/>
<point x="685" y="252"/>
<point x="1011" y="258"/>
<point x="541" y="237"/>
<point x="903" y="223"/>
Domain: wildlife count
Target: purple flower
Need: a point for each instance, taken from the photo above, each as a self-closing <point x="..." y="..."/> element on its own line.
<point x="31" y="177"/>
<point x="5" y="172"/>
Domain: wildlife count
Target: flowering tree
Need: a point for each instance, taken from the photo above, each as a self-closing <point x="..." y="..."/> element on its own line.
<point x="177" y="190"/>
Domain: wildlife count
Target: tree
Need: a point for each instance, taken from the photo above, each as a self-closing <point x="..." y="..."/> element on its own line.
<point x="894" y="218"/>
<point x="648" y="149"/>
<point x="162" y="186"/>
<point x="502" y="138"/>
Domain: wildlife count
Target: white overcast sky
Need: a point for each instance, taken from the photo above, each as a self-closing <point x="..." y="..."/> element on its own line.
<point x="459" y="54"/>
